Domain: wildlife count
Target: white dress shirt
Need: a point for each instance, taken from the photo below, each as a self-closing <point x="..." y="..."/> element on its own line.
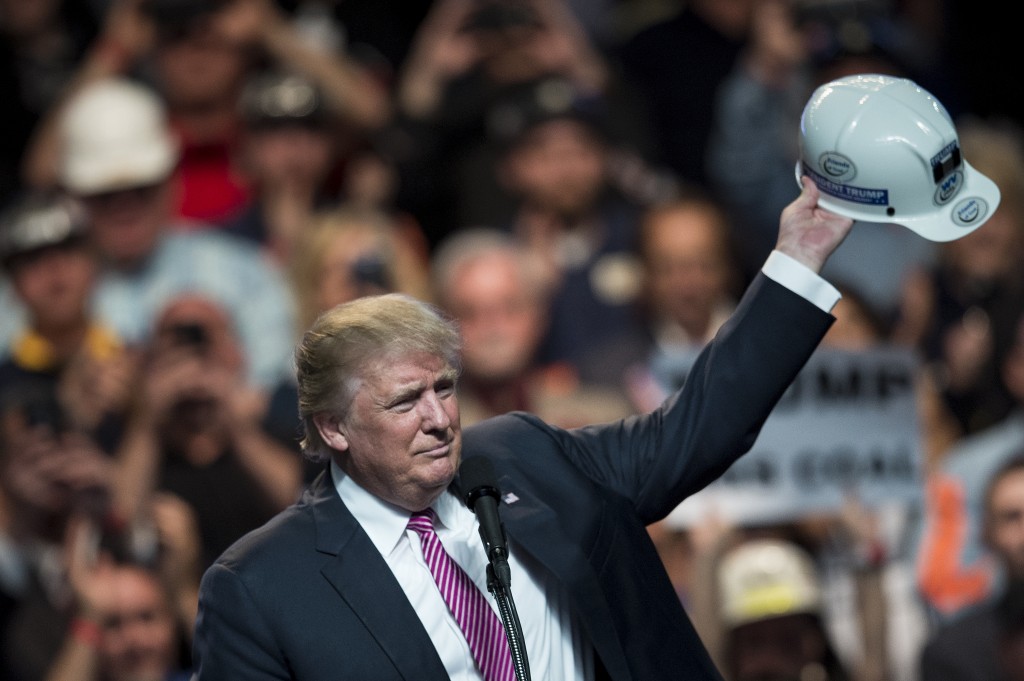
<point x="554" y="646"/>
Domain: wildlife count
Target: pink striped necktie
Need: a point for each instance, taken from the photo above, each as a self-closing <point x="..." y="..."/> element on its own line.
<point x="483" y="630"/>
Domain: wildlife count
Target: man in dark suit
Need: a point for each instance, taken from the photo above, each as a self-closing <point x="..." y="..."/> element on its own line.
<point x="336" y="587"/>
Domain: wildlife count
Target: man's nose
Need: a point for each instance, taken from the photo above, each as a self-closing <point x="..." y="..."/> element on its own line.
<point x="434" y="414"/>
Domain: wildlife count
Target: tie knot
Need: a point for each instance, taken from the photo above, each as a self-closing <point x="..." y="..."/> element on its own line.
<point x="422" y="521"/>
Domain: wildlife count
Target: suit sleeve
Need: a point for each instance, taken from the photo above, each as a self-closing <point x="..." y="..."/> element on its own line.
<point x="659" y="459"/>
<point x="232" y="638"/>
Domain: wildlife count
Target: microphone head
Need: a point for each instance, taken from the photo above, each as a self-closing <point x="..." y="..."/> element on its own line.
<point x="478" y="479"/>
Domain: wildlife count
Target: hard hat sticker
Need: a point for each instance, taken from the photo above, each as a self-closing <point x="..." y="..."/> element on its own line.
<point x="837" y="166"/>
<point x="969" y="211"/>
<point x="946" y="161"/>
<point x="861" y="195"/>
<point x="949" y="188"/>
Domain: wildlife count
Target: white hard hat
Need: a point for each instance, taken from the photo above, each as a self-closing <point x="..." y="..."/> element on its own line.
<point x="765" y="578"/>
<point x="115" y="135"/>
<point x="882" y="149"/>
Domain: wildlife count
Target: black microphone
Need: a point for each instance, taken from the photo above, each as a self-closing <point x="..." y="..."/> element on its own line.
<point x="482" y="495"/>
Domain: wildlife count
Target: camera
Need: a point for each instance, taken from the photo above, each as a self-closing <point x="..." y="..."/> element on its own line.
<point x="190" y="335"/>
<point x="44" y="410"/>
<point x="371" y="270"/>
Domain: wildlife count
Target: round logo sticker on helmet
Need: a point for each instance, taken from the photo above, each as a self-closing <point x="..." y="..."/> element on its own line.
<point x="949" y="187"/>
<point x="970" y="211"/>
<point x="837" y="167"/>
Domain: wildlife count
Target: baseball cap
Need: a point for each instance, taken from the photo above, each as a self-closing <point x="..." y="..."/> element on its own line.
<point x="275" y="98"/>
<point x="766" y="578"/>
<point x="523" y="106"/>
<point x="115" y="136"/>
<point x="38" y="221"/>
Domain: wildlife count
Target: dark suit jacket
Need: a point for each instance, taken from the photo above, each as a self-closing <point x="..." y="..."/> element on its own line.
<point x="308" y="596"/>
<point x="966" y="649"/>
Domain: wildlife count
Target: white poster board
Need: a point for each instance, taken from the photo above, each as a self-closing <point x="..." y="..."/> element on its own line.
<point x="847" y="425"/>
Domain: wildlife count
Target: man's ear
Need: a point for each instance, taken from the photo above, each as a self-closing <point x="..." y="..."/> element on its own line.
<point x="331" y="430"/>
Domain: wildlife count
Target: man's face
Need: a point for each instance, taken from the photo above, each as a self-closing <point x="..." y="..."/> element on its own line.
<point x="401" y="437"/>
<point x="778" y="649"/>
<point x="501" y="322"/>
<point x="1005" y="522"/>
<point x="55" y="284"/>
<point x="200" y="66"/>
<point x="138" y="630"/>
<point x="293" y="156"/>
<point x="559" y="167"/>
<point x="688" y="266"/>
<point x="126" y="224"/>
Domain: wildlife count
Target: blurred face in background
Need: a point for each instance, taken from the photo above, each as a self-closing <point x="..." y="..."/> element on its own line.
<point x="688" y="268"/>
<point x="139" y="640"/>
<point x="501" y="316"/>
<point x="284" y="157"/>
<point x="199" y="65"/>
<point x="1005" y="522"/>
<point x="55" y="284"/>
<point x="779" y="649"/>
<point x="126" y="223"/>
<point x="558" y="166"/>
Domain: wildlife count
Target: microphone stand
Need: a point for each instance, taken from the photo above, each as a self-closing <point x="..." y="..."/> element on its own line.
<point x="510" y="620"/>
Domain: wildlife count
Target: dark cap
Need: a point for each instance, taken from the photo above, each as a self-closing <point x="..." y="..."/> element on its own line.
<point x="273" y="98"/>
<point x="525" y="106"/>
<point x="39" y="221"/>
<point x="499" y="15"/>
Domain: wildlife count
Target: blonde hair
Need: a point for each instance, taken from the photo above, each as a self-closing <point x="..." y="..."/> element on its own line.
<point x="406" y="269"/>
<point x="342" y="341"/>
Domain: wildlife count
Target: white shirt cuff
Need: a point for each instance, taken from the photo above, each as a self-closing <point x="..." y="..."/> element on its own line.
<point x="801" y="280"/>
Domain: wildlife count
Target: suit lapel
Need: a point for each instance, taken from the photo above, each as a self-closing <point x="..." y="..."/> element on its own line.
<point x="364" y="581"/>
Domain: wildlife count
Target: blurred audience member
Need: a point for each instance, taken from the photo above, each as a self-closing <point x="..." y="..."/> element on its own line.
<point x="492" y="286"/>
<point x="691" y="277"/>
<point x="64" y="356"/>
<point x="199" y="53"/>
<point x="117" y="158"/>
<point x="41" y="44"/>
<point x="983" y="642"/>
<point x="346" y="253"/>
<point x="773" y="615"/>
<point x="125" y="623"/>
<point x="955" y="570"/>
<point x="570" y="217"/>
<point x="49" y="472"/>
<point x="677" y="64"/>
<point x="467" y="57"/>
<point x="287" y="155"/>
<point x="960" y="312"/>
<point x="195" y="430"/>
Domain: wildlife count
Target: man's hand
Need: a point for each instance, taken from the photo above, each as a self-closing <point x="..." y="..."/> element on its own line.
<point x="807" y="232"/>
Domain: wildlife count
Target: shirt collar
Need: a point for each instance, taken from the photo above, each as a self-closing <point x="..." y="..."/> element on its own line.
<point x="383" y="522"/>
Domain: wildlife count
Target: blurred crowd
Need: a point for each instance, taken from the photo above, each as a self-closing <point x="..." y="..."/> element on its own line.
<point x="585" y="185"/>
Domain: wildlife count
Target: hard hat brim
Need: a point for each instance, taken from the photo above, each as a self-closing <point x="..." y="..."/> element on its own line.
<point x="972" y="206"/>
